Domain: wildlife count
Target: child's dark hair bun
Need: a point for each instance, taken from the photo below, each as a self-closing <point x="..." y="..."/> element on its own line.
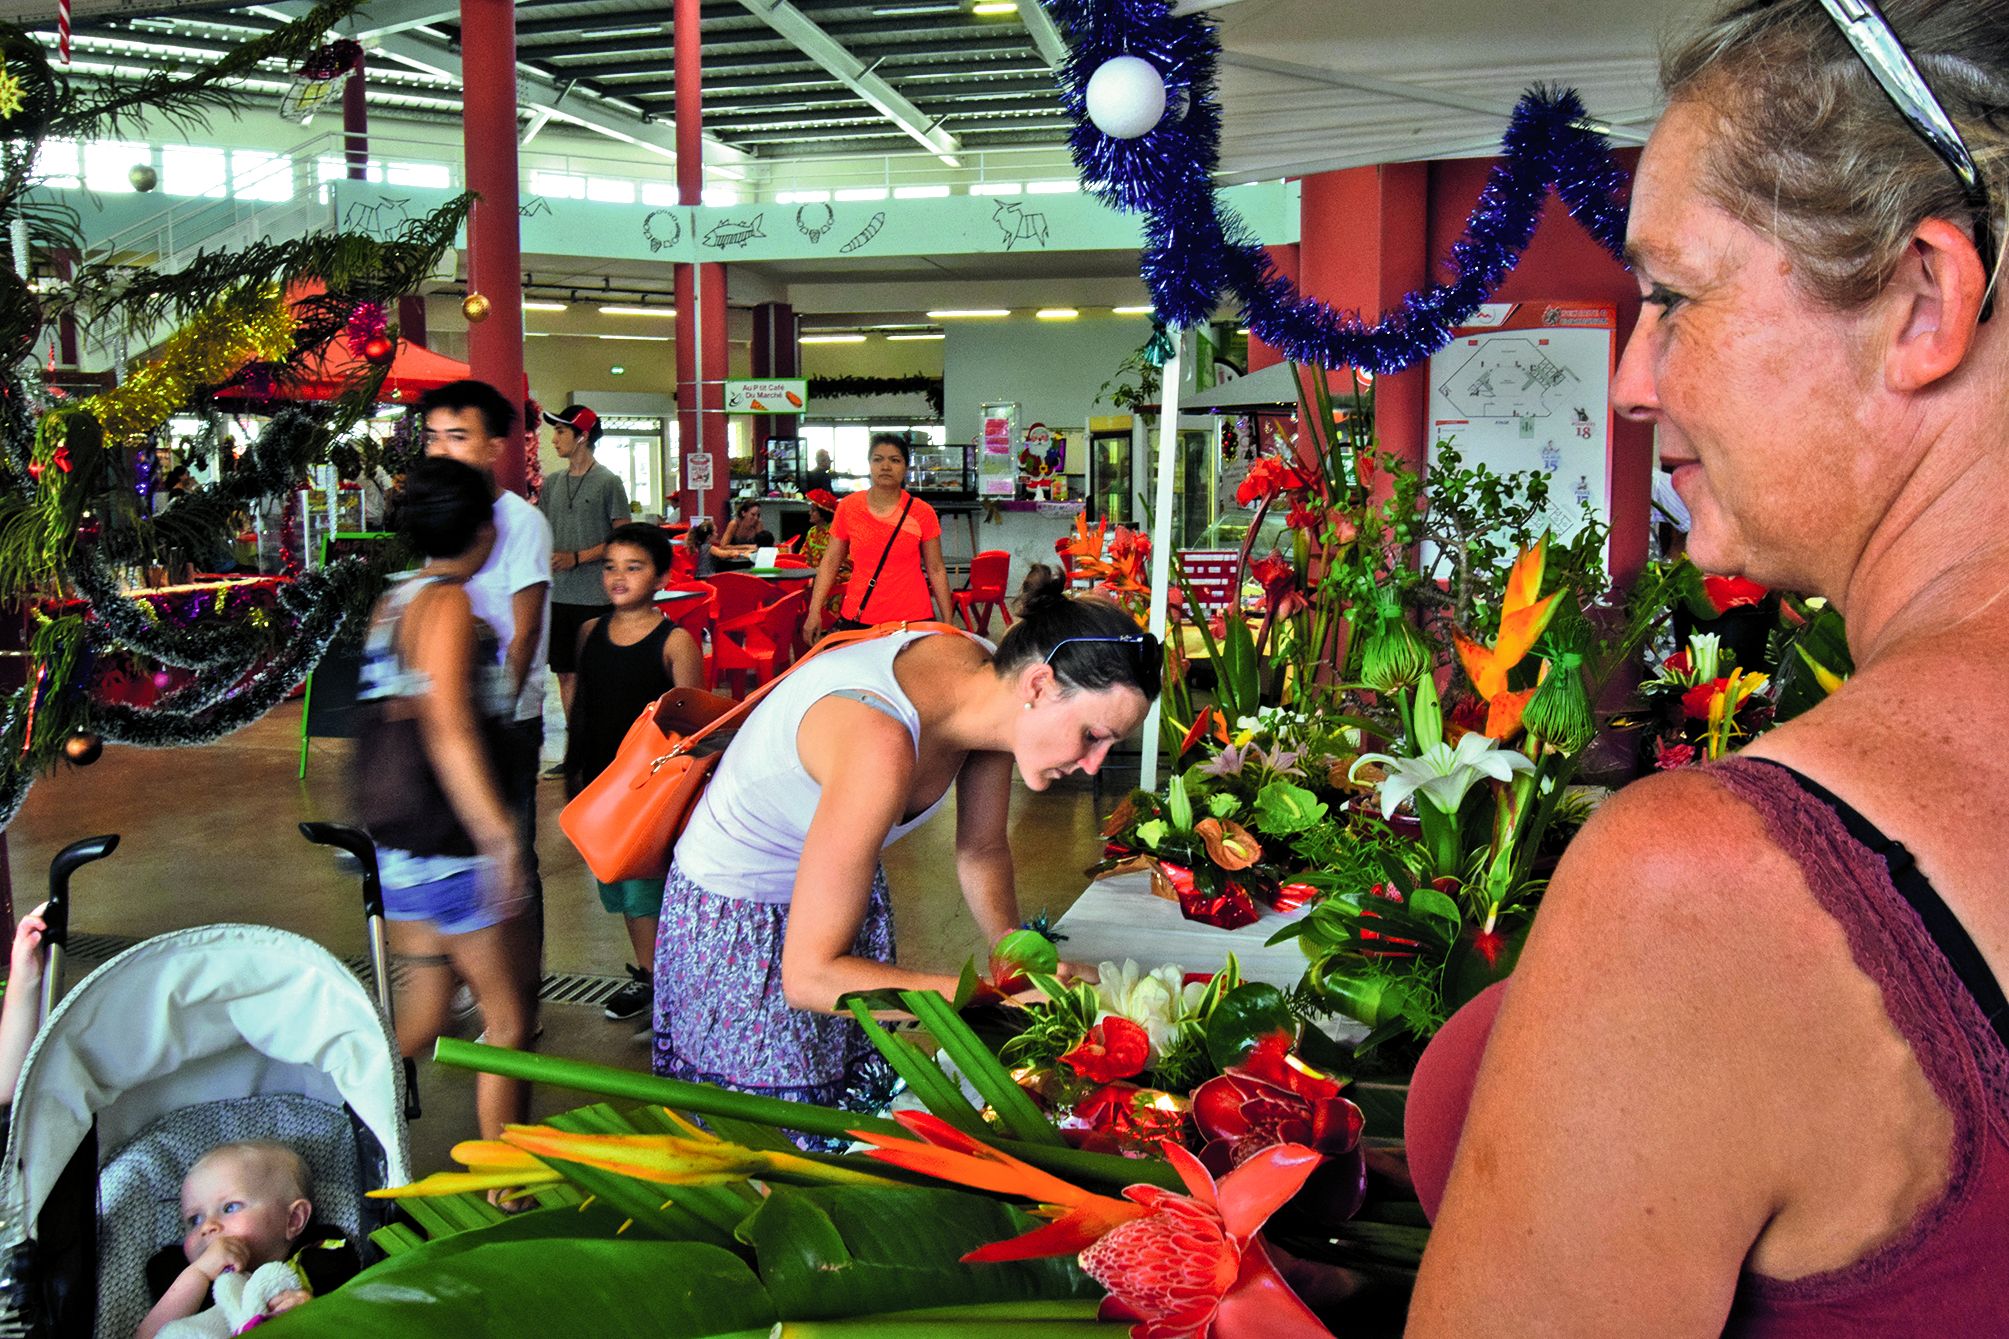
<point x="1048" y="597"/>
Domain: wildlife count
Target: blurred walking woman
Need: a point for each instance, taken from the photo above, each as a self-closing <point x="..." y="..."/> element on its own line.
<point x="776" y="904"/>
<point x="437" y="702"/>
<point x="893" y="542"/>
<point x="1750" y="1076"/>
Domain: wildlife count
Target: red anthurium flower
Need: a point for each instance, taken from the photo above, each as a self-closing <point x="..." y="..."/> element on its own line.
<point x="1695" y="702"/>
<point x="1727" y="593"/>
<point x="1194" y="1266"/>
<point x="1229" y="844"/>
<point x="1115" y="1048"/>
<point x="1678" y="664"/>
<point x="1121" y="817"/>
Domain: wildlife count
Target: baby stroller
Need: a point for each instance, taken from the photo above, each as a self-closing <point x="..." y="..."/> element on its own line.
<point x="192" y="1039"/>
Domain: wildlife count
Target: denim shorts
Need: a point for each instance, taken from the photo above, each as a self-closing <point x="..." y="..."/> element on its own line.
<point x="455" y="905"/>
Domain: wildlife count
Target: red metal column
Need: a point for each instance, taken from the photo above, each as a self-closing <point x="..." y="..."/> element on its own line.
<point x="775" y="354"/>
<point x="701" y="317"/>
<point x="494" y="260"/>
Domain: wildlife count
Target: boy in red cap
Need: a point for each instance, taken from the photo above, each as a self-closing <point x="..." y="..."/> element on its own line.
<point x="583" y="505"/>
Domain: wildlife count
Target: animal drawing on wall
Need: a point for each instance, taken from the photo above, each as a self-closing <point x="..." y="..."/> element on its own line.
<point x="731" y="234"/>
<point x="865" y="234"/>
<point x="532" y="207"/>
<point x="813" y="221"/>
<point x="380" y="218"/>
<point x="1017" y="225"/>
<point x="661" y="228"/>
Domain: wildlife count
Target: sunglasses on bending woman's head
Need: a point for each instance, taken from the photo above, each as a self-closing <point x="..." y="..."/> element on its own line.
<point x="1866" y="29"/>
<point x="1147" y="646"/>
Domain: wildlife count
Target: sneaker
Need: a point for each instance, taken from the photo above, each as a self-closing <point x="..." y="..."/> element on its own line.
<point x="555" y="772"/>
<point x="632" y="999"/>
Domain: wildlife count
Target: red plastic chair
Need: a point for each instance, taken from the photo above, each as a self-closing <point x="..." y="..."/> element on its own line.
<point x="790" y="560"/>
<point x="694" y="616"/>
<point x="989" y="571"/>
<point x="683" y="566"/>
<point x="738" y="596"/>
<point x="765" y="643"/>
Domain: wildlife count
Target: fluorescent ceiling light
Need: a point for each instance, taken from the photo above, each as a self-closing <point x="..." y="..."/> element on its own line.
<point x="996" y="188"/>
<point x="1052" y="187"/>
<point x="990" y="7"/>
<point x="638" y="30"/>
<point x="537" y="334"/>
<point x="650" y="339"/>
<point x="831" y="339"/>
<point x="910" y="338"/>
<point x="638" y="311"/>
<point x="907" y="11"/>
<point x="1057" y="313"/>
<point x="950" y="313"/>
<point x="530" y="306"/>
<point x="1241" y="330"/>
<point x="1133" y="311"/>
<point x="862" y="193"/>
<point x="920" y="192"/>
<point x="617" y="369"/>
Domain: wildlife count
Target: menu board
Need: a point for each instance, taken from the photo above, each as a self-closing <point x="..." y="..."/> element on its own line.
<point x="997" y="451"/>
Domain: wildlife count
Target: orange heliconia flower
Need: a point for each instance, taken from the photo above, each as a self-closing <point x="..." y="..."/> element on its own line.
<point x="1523" y="619"/>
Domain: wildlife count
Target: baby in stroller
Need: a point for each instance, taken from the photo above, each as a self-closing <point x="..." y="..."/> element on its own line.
<point x="249" y="1212"/>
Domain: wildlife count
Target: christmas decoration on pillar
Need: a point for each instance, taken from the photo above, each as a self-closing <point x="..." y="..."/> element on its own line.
<point x="1196" y="252"/>
<point x="475" y="308"/>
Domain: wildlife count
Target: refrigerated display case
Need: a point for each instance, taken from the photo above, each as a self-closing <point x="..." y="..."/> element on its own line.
<point x="947" y="471"/>
<point x="784" y="459"/>
<point x="1112" y="476"/>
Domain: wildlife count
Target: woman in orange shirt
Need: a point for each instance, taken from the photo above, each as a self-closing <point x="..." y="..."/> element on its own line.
<point x="896" y="572"/>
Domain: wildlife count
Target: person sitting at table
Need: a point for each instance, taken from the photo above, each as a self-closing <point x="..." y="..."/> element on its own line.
<point x="745" y="524"/>
<point x="822" y="510"/>
<point x="897" y="575"/>
<point x="776" y="903"/>
<point x="709" y="558"/>
<point x="1751" y="1074"/>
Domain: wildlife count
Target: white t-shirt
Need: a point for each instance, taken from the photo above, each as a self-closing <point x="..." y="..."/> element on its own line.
<point x="521" y="558"/>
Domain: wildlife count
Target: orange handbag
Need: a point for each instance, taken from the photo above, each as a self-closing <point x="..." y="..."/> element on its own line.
<point x="626" y="822"/>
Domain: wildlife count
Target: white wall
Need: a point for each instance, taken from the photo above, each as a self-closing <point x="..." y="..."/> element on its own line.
<point x="1052" y="368"/>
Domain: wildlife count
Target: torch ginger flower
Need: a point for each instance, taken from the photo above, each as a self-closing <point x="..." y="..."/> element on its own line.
<point x="1188" y="1266"/>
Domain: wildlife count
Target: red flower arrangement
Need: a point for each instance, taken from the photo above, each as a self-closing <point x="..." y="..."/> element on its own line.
<point x="1727" y="593"/>
<point x="1272" y="1098"/>
<point x="1115" y="1048"/>
<point x="1268" y="476"/>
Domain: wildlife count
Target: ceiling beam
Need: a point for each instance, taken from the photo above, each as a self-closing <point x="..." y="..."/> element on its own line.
<point x="825" y="50"/>
<point x="1045" y="34"/>
<point x="1389" y="88"/>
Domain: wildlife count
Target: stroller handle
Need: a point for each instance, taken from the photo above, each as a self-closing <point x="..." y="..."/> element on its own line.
<point x="358" y="844"/>
<point x="67" y="862"/>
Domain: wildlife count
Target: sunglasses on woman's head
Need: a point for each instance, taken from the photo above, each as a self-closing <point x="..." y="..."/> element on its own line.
<point x="1146" y="644"/>
<point x="1866" y="30"/>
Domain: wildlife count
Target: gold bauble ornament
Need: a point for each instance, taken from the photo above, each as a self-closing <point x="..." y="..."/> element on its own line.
<point x="83" y="748"/>
<point x="475" y="308"/>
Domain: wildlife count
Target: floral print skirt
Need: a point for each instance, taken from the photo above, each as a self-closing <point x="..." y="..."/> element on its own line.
<point x="721" y="1016"/>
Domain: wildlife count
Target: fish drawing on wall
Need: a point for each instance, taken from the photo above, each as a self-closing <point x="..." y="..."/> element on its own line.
<point x="1017" y="225"/>
<point x="728" y="233"/>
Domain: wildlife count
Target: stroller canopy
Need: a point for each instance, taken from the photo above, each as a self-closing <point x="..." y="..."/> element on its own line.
<point x="215" y="1012"/>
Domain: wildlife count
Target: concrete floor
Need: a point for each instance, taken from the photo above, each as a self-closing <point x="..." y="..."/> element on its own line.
<point x="211" y="834"/>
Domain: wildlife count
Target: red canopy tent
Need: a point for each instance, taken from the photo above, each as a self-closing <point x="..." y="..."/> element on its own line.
<point x="414" y="371"/>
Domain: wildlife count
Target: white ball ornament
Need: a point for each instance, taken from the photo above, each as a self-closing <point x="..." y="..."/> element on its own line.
<point x="1126" y="97"/>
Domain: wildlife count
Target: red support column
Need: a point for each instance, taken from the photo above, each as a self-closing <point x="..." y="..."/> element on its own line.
<point x="701" y="329"/>
<point x="494" y="260"/>
<point x="775" y="354"/>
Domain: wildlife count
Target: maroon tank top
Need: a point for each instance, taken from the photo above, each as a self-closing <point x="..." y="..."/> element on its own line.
<point x="1948" y="1272"/>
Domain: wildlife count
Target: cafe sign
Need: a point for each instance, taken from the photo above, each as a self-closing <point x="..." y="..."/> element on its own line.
<point x="767" y="397"/>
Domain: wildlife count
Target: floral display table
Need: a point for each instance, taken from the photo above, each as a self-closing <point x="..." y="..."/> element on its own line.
<point x="1119" y="917"/>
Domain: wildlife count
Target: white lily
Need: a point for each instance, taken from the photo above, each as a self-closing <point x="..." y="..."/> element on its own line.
<point x="1443" y="774"/>
<point x="1156" y="1000"/>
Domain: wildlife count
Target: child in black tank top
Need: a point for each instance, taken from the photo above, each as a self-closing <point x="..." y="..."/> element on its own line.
<point x="627" y="659"/>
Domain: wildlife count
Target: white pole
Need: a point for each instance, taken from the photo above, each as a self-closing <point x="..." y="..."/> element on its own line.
<point x="1161" y="542"/>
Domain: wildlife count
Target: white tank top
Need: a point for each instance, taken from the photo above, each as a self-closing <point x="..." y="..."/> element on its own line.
<point x="745" y="836"/>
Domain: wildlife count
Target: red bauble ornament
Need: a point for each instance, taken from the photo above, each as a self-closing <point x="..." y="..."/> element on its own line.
<point x="378" y="349"/>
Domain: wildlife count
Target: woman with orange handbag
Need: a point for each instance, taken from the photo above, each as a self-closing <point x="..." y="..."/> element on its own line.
<point x="776" y="904"/>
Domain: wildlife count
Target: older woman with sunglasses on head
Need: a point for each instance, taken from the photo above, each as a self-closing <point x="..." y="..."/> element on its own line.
<point x="776" y="903"/>
<point x="1750" y="1076"/>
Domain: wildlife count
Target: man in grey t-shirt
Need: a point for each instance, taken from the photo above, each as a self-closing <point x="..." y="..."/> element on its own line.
<point x="583" y="505"/>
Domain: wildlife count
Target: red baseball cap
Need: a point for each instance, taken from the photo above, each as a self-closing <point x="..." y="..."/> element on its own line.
<point x="823" y="498"/>
<point x="576" y="417"/>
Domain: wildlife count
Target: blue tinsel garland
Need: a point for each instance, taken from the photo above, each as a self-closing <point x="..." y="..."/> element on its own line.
<point x="1195" y="251"/>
